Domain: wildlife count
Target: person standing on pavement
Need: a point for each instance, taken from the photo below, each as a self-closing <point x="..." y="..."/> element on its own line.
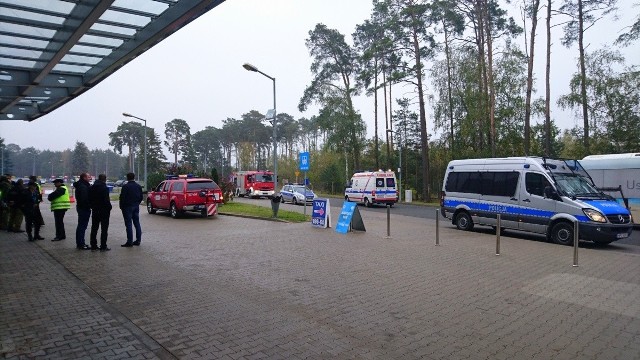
<point x="130" y="199"/>
<point x="5" y="186"/>
<point x="13" y="200"/>
<point x="29" y="200"/>
<point x="83" y="207"/>
<point x="100" y="212"/>
<point x="36" y="211"/>
<point x="60" y="203"/>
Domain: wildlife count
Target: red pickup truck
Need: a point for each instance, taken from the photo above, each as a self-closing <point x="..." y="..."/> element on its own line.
<point x="182" y="194"/>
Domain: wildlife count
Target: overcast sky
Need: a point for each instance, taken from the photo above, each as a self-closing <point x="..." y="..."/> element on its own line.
<point x="197" y="75"/>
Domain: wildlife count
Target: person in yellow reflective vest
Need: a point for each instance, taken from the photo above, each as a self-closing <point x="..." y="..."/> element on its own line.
<point x="60" y="203"/>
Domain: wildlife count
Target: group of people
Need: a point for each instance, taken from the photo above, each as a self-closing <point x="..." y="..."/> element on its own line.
<point x="92" y="203"/>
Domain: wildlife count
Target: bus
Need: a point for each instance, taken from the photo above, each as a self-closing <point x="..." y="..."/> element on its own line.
<point x="619" y="176"/>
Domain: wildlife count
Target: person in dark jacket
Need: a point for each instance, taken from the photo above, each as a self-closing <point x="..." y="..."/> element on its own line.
<point x="130" y="199"/>
<point x="29" y="200"/>
<point x="13" y="200"/>
<point x="37" y="215"/>
<point x="83" y="207"/>
<point x="100" y="212"/>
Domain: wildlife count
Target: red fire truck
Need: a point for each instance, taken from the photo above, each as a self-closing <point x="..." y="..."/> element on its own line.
<point x="254" y="184"/>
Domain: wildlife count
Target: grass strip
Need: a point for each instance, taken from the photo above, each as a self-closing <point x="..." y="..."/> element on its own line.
<point x="262" y="212"/>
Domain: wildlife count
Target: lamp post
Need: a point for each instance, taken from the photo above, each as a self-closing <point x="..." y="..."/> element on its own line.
<point x="145" y="145"/>
<point x="399" y="166"/>
<point x="250" y="67"/>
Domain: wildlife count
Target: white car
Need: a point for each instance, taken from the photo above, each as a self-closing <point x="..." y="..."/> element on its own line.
<point x="296" y="194"/>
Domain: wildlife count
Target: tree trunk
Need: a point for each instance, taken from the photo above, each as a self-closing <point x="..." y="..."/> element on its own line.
<point x="448" y="59"/>
<point x="375" y="112"/>
<point x="527" y="106"/>
<point x="424" y="137"/>
<point x="491" y="86"/>
<point x="547" y="106"/>
<point x="583" y="78"/>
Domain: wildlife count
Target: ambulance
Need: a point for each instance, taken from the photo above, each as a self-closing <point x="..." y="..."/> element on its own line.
<point x="372" y="187"/>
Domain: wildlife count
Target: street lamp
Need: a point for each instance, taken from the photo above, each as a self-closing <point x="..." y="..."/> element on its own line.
<point x="399" y="166"/>
<point x="145" y="145"/>
<point x="250" y="67"/>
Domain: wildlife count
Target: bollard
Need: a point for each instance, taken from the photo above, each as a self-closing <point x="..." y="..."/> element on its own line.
<point x="437" y="227"/>
<point x="576" y="240"/>
<point x="498" y="236"/>
<point x="388" y="221"/>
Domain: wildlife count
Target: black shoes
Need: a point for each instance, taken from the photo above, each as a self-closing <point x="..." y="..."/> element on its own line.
<point x="58" y="239"/>
<point x="136" y="243"/>
<point x="127" y="245"/>
<point x="94" y="248"/>
<point x="83" y="247"/>
<point x="38" y="237"/>
<point x="104" y="249"/>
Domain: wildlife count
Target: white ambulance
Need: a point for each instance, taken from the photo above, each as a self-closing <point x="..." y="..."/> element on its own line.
<point x="372" y="187"/>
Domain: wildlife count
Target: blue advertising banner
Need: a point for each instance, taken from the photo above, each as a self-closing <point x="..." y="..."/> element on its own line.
<point x="321" y="214"/>
<point x="344" y="220"/>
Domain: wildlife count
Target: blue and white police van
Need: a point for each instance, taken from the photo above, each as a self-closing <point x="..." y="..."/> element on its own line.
<point x="532" y="194"/>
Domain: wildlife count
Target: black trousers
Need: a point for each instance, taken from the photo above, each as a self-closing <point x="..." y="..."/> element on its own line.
<point x="58" y="215"/>
<point x="99" y="219"/>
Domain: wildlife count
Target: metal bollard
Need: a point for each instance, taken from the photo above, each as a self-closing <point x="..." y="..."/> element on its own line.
<point x="437" y="227"/>
<point x="576" y="240"/>
<point x="388" y="221"/>
<point x="498" y="236"/>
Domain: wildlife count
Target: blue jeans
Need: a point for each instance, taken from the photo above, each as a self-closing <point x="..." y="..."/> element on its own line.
<point x="83" y="222"/>
<point x="131" y="214"/>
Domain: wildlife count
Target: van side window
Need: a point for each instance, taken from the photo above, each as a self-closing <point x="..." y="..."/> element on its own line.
<point x="492" y="183"/>
<point x="535" y="183"/>
<point x="391" y="182"/>
<point x="159" y="188"/>
<point x="379" y="182"/>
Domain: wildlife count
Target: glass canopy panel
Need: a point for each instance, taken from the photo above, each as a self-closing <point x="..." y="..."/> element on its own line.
<point x="13" y="40"/>
<point x="149" y="6"/>
<point x="26" y="30"/>
<point x="30" y="15"/>
<point x="114" y="29"/>
<point x="90" y="50"/>
<point x="99" y="40"/>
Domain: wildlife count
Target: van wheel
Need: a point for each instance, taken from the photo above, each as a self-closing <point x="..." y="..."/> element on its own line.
<point x="562" y="233"/>
<point x="173" y="210"/>
<point x="294" y="201"/>
<point x="150" y="208"/>
<point x="463" y="221"/>
<point x="367" y="203"/>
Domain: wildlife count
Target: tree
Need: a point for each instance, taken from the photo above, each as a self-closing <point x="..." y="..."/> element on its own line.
<point x="613" y="102"/>
<point x="206" y="144"/>
<point x="633" y="34"/>
<point x="531" y="9"/>
<point x="333" y="68"/>
<point x="178" y="138"/>
<point x="583" y="14"/>
<point x="128" y="134"/>
<point x="80" y="159"/>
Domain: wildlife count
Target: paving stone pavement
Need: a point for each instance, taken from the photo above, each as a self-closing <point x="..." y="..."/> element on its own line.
<point x="235" y="288"/>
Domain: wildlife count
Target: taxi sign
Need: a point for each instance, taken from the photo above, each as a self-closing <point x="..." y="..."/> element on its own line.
<point x="321" y="214"/>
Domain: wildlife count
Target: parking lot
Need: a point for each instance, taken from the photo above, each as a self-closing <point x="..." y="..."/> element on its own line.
<point x="231" y="287"/>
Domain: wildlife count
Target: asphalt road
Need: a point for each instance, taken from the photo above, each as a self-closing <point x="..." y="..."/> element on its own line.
<point x="420" y="211"/>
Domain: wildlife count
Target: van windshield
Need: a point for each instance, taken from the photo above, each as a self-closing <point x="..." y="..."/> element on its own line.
<point x="577" y="186"/>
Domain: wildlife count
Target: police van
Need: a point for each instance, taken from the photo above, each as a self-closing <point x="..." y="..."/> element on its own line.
<point x="372" y="187"/>
<point x="533" y="194"/>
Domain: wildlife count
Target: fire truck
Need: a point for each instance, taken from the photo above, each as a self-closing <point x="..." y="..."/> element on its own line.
<point x="254" y="184"/>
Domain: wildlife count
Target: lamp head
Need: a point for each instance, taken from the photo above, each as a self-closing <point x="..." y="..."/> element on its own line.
<point x="127" y="115"/>
<point x="249" y="67"/>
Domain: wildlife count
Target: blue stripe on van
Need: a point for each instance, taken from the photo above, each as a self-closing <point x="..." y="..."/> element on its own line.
<point x="507" y="209"/>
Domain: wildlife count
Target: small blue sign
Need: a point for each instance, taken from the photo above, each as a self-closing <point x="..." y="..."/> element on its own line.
<point x="304" y="161"/>
<point x="344" y="220"/>
<point x="320" y="214"/>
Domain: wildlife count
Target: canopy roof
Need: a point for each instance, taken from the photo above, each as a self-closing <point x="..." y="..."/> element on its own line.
<point x="54" y="50"/>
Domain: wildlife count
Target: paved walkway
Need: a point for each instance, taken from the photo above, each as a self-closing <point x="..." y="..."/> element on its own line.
<point x="230" y="288"/>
